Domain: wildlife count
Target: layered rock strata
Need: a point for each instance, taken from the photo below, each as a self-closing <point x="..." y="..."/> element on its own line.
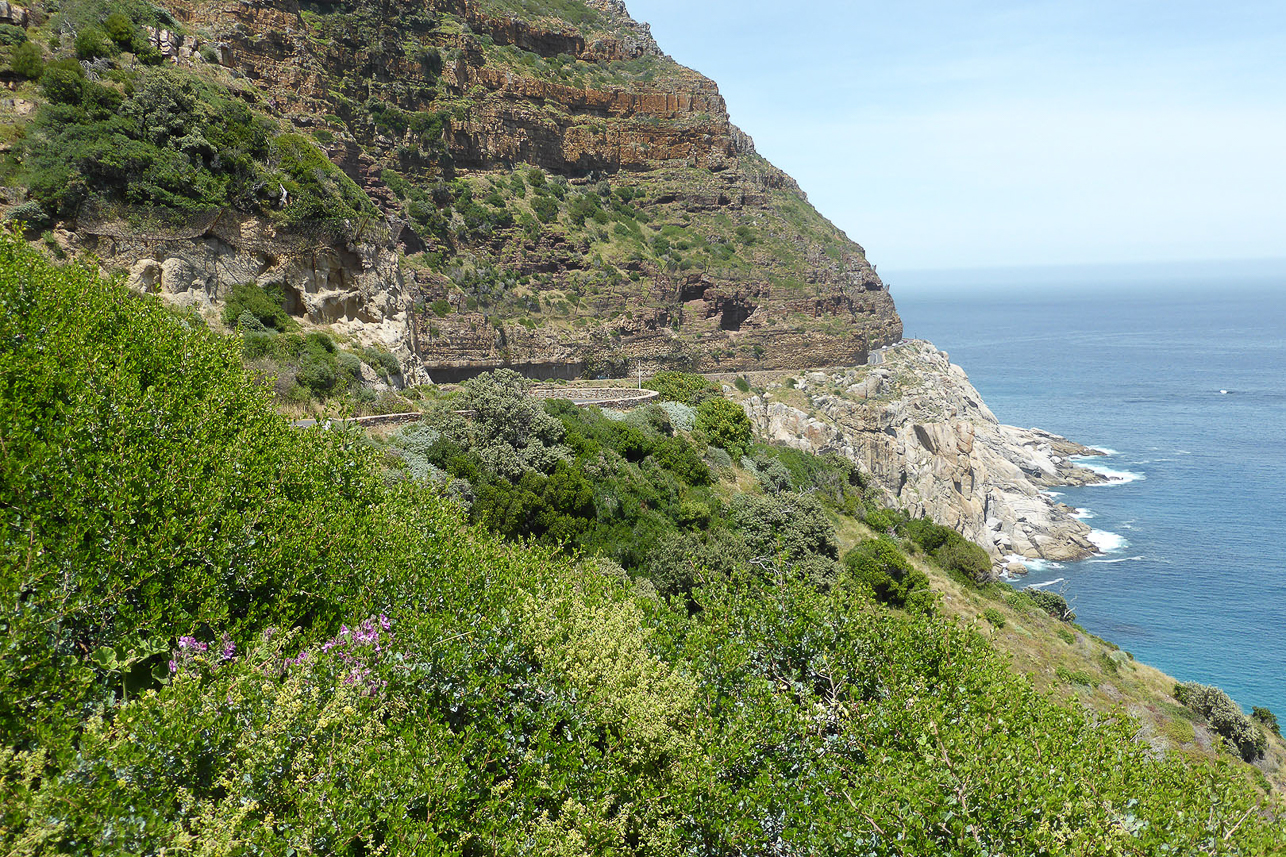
<point x="920" y="430"/>
<point x="724" y="264"/>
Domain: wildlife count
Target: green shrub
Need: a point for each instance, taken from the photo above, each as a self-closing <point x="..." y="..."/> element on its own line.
<point x="31" y="213"/>
<point x="441" y="308"/>
<point x="742" y="384"/>
<point x="682" y="387"/>
<point x="1266" y="717"/>
<point x="121" y="30"/>
<point x="256" y="346"/>
<point x="994" y="616"/>
<point x="385" y="364"/>
<point x="1071" y="676"/>
<point x="266" y="305"/>
<point x="63" y="82"/>
<point x="546" y="208"/>
<point x="1225" y="717"/>
<point x="880" y="520"/>
<point x="27" y="61"/>
<point x="92" y="43"/>
<point x="1051" y="602"/>
<point x="11" y="35"/>
<point x="878" y="565"/>
<point x="788" y="528"/>
<point x="726" y="426"/>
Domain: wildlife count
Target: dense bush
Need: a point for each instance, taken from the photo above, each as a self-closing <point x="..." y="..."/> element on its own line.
<point x="1051" y="602"/>
<point x="27" y="61"/>
<point x="951" y="550"/>
<point x="266" y="304"/>
<point x="682" y="387"/>
<point x="1225" y="717"/>
<point x="1266" y="717"/>
<point x="878" y="565"/>
<point x="225" y="635"/>
<point x="726" y="426"/>
<point x="175" y="142"/>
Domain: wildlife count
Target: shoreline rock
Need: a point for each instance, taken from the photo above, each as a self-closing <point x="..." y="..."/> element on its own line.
<point x="919" y="429"/>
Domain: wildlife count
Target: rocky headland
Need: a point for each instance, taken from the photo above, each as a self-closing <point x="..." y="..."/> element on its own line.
<point x="913" y="422"/>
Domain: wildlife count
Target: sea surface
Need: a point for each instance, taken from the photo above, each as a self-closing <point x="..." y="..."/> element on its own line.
<point x="1183" y="380"/>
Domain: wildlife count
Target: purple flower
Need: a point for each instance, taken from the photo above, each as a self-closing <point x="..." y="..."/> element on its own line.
<point x="192" y="644"/>
<point x="384" y="622"/>
<point x="229" y="648"/>
<point x="174" y="667"/>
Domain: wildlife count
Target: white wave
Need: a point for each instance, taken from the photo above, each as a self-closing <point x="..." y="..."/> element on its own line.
<point x="1083" y="515"/>
<point x="1046" y="583"/>
<point x="1052" y="494"/>
<point x="1115" y="561"/>
<point x="1040" y="565"/>
<point x="1114" y="477"/>
<point x="1105" y="450"/>
<point x="1107" y="542"/>
<point x="1036" y="565"/>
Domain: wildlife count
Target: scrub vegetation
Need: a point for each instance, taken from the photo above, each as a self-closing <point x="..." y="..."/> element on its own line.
<point x="225" y="635"/>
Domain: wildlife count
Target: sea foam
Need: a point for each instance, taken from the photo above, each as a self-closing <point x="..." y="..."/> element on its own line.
<point x="1114" y="477"/>
<point x="1107" y="542"/>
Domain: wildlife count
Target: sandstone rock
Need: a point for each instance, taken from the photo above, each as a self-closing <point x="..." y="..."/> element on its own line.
<point x="144" y="276"/>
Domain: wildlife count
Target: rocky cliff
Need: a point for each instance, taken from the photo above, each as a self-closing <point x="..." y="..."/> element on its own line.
<point x="547" y="190"/>
<point x="915" y="424"/>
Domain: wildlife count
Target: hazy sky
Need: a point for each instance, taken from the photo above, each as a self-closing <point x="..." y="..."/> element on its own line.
<point x="964" y="134"/>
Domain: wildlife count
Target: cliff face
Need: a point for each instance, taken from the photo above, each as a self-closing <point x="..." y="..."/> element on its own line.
<point x="555" y="193"/>
<point x="919" y="428"/>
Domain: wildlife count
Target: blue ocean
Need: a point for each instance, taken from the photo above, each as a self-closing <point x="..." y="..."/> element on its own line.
<point x="1181" y="375"/>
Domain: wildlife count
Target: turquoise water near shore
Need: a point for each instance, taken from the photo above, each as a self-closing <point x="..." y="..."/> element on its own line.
<point x="1186" y="384"/>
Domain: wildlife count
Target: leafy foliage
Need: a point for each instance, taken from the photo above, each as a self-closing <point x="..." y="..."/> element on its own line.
<point x="1266" y="717"/>
<point x="1225" y="717"/>
<point x="951" y="550"/>
<point x="1051" y="602"/>
<point x="27" y="61"/>
<point x="726" y="425"/>
<point x="682" y="387"/>
<point x="265" y="304"/>
<point x="880" y="566"/>
<point x="174" y="141"/>
<point x="354" y="669"/>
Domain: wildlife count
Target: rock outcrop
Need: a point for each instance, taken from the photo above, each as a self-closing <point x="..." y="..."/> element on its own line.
<point x="696" y="253"/>
<point x="351" y="287"/>
<point x="915" y="424"/>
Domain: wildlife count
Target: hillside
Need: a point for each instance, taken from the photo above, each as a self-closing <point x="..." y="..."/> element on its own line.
<point x="527" y="184"/>
<point x="227" y="635"/>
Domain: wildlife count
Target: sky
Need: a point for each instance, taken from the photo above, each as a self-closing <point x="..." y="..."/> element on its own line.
<point x="947" y="135"/>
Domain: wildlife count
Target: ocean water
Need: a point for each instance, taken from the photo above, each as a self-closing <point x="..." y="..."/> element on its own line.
<point x="1185" y="383"/>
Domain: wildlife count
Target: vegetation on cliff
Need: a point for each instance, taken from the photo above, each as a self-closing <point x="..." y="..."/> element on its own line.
<point x="222" y="634"/>
<point x="574" y="197"/>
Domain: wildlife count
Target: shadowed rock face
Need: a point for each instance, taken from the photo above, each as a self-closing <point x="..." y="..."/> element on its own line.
<point x="922" y="432"/>
<point x="696" y="253"/>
